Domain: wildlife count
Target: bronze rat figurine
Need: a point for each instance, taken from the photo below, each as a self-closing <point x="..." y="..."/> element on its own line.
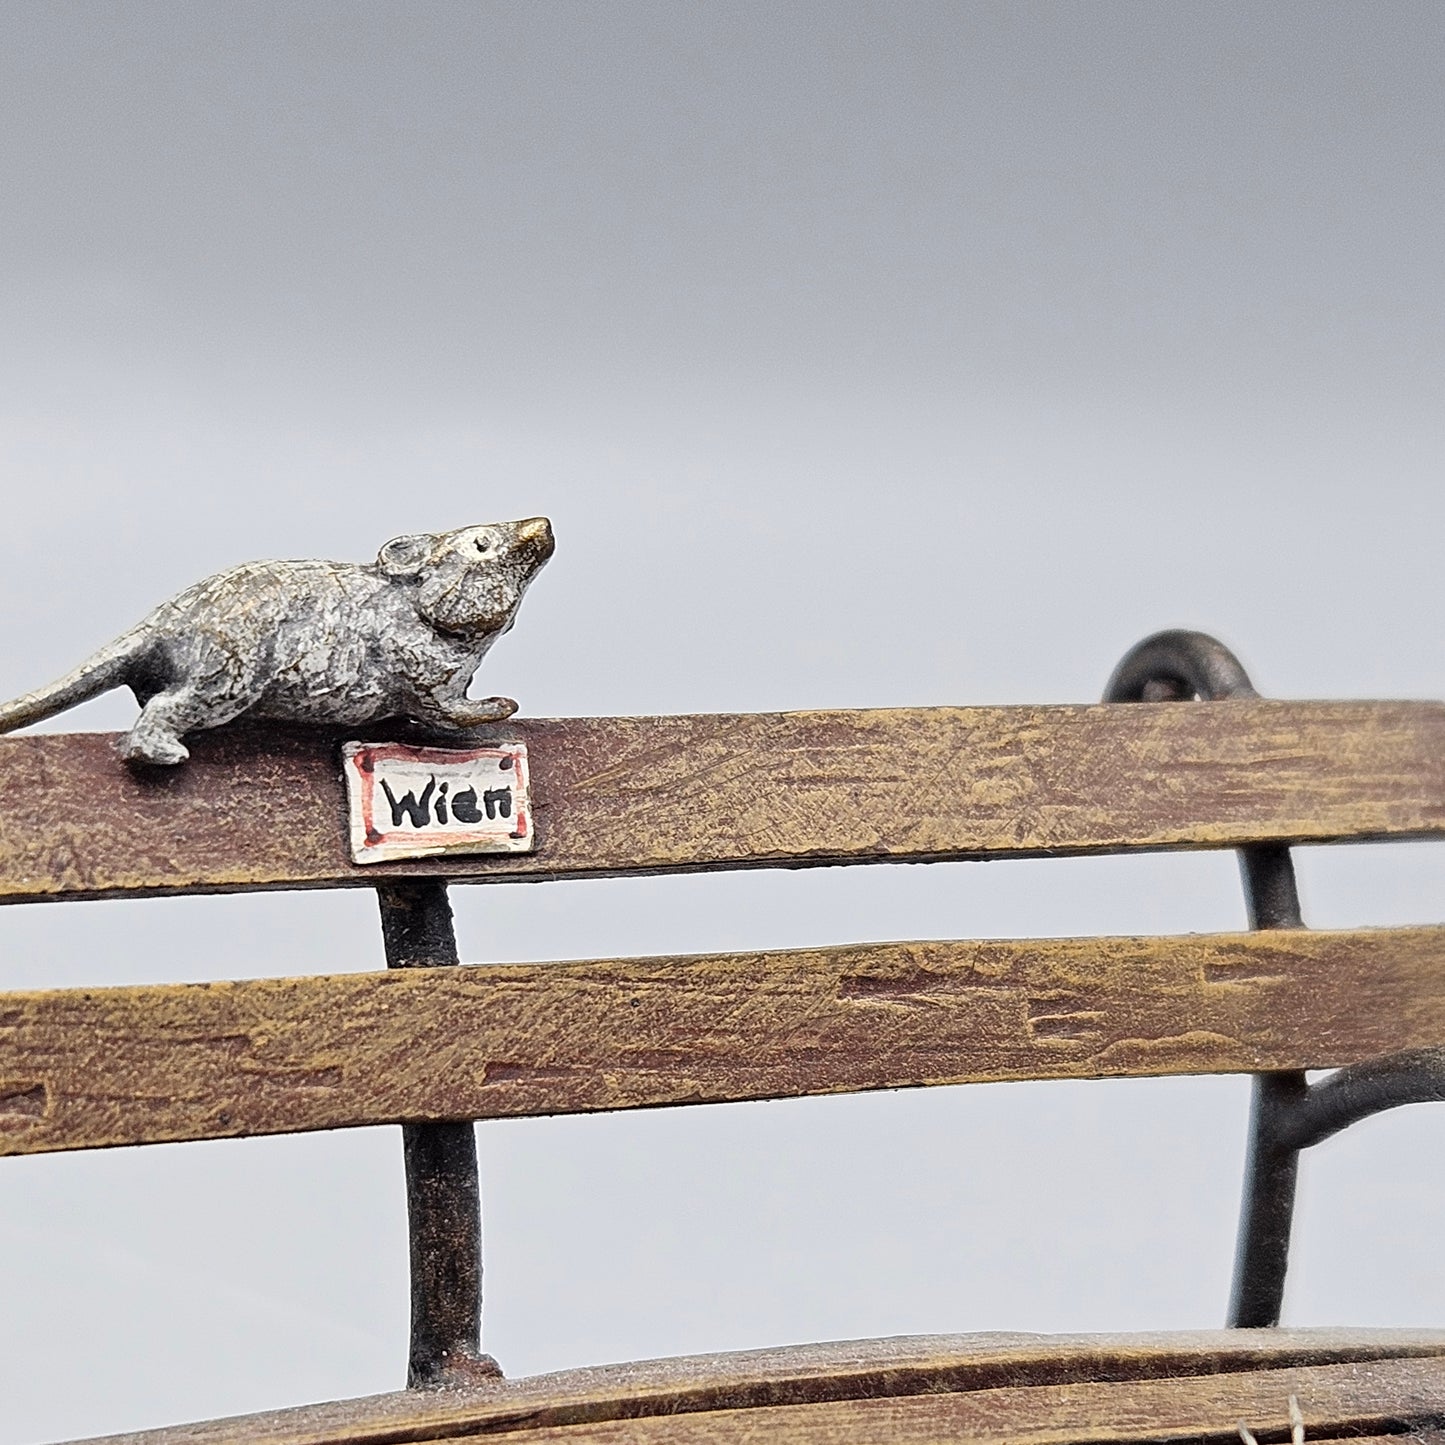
<point x="316" y="642"/>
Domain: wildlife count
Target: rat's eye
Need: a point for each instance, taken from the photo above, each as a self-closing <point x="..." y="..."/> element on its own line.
<point x="482" y="546"/>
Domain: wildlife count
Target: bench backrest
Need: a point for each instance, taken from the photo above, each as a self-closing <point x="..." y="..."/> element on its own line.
<point x="133" y="1065"/>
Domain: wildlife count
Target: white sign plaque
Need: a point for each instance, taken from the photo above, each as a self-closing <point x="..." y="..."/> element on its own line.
<point x="412" y="802"/>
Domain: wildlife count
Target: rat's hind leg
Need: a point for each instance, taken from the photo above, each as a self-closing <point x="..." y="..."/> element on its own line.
<point x="209" y="685"/>
<point x="156" y="736"/>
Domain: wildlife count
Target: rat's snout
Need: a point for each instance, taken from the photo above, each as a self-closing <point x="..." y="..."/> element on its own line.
<point x="536" y="534"/>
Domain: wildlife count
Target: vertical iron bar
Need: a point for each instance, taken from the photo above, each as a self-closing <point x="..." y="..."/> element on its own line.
<point x="1266" y="1215"/>
<point x="1177" y="666"/>
<point x="443" y="1198"/>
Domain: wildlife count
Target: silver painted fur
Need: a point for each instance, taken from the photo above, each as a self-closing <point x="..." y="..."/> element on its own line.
<point x="318" y="642"/>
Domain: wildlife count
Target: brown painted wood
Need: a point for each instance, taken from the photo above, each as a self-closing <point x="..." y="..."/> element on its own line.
<point x="84" y="1068"/>
<point x="672" y="794"/>
<point x="1335" y="1400"/>
<point x="750" y="1382"/>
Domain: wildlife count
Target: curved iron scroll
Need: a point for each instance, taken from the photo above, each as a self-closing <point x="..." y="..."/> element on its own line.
<point x="1289" y="1113"/>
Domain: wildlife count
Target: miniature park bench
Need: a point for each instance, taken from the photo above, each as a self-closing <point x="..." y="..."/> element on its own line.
<point x="432" y="1046"/>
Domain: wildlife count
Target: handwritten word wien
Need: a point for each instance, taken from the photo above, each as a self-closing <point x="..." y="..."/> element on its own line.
<point x="460" y="807"/>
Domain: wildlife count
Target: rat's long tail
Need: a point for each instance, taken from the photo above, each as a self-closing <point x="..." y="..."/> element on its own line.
<point x="108" y="668"/>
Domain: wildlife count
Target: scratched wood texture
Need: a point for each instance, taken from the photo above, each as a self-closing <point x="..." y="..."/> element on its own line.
<point x="1336" y="1400"/>
<point x="85" y="1068"/>
<point x="988" y="1387"/>
<point x="672" y="794"/>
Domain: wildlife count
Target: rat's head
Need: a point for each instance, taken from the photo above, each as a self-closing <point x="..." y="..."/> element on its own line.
<point x="471" y="580"/>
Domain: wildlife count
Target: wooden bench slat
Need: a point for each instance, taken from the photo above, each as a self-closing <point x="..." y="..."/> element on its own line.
<point x="751" y="1380"/>
<point x="673" y="794"/>
<point x="85" y="1068"/>
<point x="1335" y="1400"/>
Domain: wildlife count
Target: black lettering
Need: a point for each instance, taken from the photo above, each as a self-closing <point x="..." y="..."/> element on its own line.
<point x="441" y="803"/>
<point x="464" y="806"/>
<point x="498" y="800"/>
<point x="410" y="806"/>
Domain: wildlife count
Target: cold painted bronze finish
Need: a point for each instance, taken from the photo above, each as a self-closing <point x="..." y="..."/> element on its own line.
<point x="316" y="642"/>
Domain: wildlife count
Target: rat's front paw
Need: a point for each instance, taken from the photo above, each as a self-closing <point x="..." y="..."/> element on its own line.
<point x="484" y="710"/>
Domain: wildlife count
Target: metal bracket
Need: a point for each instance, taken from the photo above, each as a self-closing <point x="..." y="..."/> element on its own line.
<point x="443" y="1197"/>
<point x="1289" y="1113"/>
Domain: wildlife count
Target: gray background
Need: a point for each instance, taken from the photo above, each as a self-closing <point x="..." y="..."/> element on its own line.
<point x="862" y="354"/>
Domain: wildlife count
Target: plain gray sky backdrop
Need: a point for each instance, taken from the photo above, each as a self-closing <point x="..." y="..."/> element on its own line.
<point x="862" y="354"/>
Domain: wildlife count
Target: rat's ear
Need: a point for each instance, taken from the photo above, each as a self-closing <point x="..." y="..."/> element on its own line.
<point x="405" y="556"/>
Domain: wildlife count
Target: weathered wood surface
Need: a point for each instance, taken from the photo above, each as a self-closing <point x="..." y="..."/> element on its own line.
<point x="672" y="794"/>
<point x="84" y="1068"/>
<point x="1335" y="1400"/>
<point x="1251" y="1372"/>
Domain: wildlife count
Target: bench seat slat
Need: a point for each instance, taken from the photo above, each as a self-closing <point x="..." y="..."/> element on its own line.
<point x="1337" y="1401"/>
<point x="674" y="794"/>
<point x="1248" y="1366"/>
<point x="82" y="1068"/>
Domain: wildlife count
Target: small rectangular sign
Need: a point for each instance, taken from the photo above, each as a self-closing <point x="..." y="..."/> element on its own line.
<point x="411" y="802"/>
